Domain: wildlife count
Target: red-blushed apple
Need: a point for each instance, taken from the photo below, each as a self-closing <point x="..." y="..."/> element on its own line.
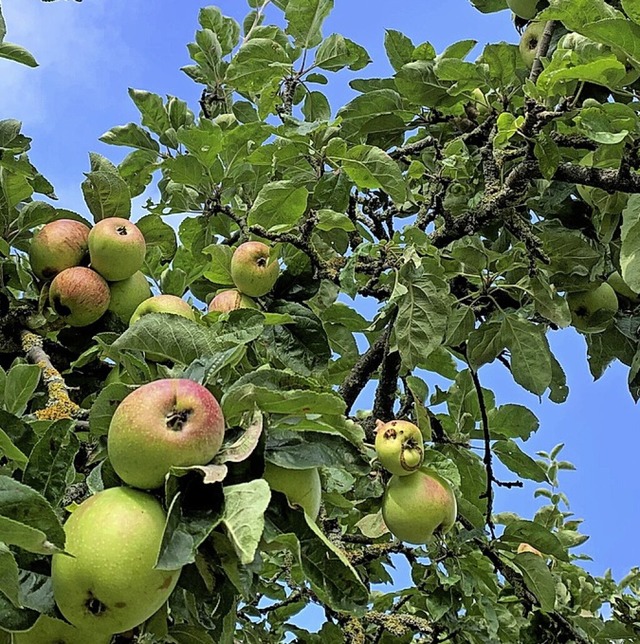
<point x="127" y="295"/>
<point x="165" y="423"/>
<point x="399" y="446"/>
<point x="230" y="301"/>
<point x="592" y="311"/>
<point x="109" y="584"/>
<point x="301" y="487"/>
<point x="253" y="270"/>
<point x="47" y="630"/>
<point x="163" y="304"/>
<point x="61" y="244"/>
<point x="79" y="296"/>
<point x="417" y="506"/>
<point x="117" y="248"/>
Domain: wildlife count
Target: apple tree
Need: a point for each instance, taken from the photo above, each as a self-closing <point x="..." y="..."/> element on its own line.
<point x="475" y="203"/>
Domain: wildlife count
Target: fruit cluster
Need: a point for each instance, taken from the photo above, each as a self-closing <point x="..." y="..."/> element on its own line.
<point x="417" y="502"/>
<point x="114" y="249"/>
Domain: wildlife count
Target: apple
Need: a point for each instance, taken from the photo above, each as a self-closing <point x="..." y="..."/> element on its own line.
<point x="417" y="506"/>
<point x="253" y="270"/>
<point x="127" y="295"/>
<point x="79" y="296"/>
<point x="620" y="287"/>
<point x="592" y="311"/>
<point x="301" y="487"/>
<point x="529" y="42"/>
<point x="163" y="304"/>
<point x="109" y="584"/>
<point x="230" y="301"/>
<point x="525" y="547"/>
<point x="399" y="446"/>
<point x="165" y="423"/>
<point x="61" y="244"/>
<point x="117" y="248"/>
<point x="47" y="630"/>
<point x="525" y="9"/>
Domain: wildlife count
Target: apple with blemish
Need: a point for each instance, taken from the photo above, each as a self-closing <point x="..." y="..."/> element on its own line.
<point x="163" y="424"/>
<point x="79" y="296"/>
<point x="231" y="300"/>
<point x="127" y="295"/>
<point x="592" y="311"/>
<point x="117" y="248"/>
<point x="529" y="42"/>
<point x="109" y="584"/>
<point x="253" y="270"/>
<point x="59" y="245"/>
<point x="417" y="506"/>
<point x="399" y="446"/>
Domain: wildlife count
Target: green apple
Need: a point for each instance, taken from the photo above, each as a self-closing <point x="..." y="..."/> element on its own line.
<point x="529" y="42"/>
<point x="163" y="304"/>
<point x="399" y="446"/>
<point x="417" y="506"/>
<point x="230" y="301"/>
<point x="117" y="248"/>
<point x="301" y="487"/>
<point x="79" y="296"/>
<point x="620" y="287"/>
<point x="109" y="584"/>
<point x="166" y="423"/>
<point x="253" y="270"/>
<point x="47" y="630"/>
<point x="526" y="9"/>
<point x="127" y="295"/>
<point x="61" y="244"/>
<point x="592" y="311"/>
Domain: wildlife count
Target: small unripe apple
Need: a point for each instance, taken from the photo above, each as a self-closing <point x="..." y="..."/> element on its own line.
<point x="79" y="296"/>
<point x="415" y="507"/>
<point x="109" y="584"/>
<point x="529" y="42"/>
<point x="253" y="271"/>
<point x="525" y="547"/>
<point x="230" y="301"/>
<point x="127" y="295"/>
<point x="116" y="248"/>
<point x="61" y="244"/>
<point x="399" y="446"/>
<point x="165" y="423"/>
<point x="301" y="487"/>
<point x="47" y="630"/>
<point x="163" y="304"/>
<point x="620" y="287"/>
<point x="592" y="311"/>
<point x="526" y="9"/>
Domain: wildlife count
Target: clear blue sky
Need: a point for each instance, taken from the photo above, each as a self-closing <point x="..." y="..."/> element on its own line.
<point x="90" y="53"/>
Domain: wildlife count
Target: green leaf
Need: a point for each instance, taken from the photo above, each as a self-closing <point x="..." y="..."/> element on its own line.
<point x="203" y="141"/>
<point x="106" y="194"/>
<point x="10" y="451"/>
<point x="17" y="54"/>
<point x="630" y="250"/>
<point x="305" y="18"/>
<point x="244" y="508"/>
<point x="27" y="520"/>
<point x="399" y="48"/>
<point x="158" y="234"/>
<point x="279" y="206"/>
<point x="9" y="578"/>
<point x="130" y="135"/>
<point x="620" y="34"/>
<point x="513" y="421"/>
<point x="337" y="52"/>
<point x="538" y="579"/>
<point x="519" y="462"/>
<point x="51" y="461"/>
<point x="548" y="155"/>
<point x="105" y="405"/>
<point x="20" y="385"/>
<point x="632" y="9"/>
<point x="371" y="167"/>
<point x="530" y="354"/>
<point x="219" y="271"/>
<point x="154" y="114"/>
<point x="258" y="62"/>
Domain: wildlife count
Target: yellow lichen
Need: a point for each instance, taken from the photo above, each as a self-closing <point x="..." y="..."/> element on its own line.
<point x="58" y="410"/>
<point x="30" y="341"/>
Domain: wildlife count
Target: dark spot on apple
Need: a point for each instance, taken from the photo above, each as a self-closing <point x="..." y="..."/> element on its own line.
<point x="61" y="309"/>
<point x="261" y="262"/>
<point x="120" y="604"/>
<point x="177" y="419"/>
<point x="390" y="433"/>
<point x="533" y="43"/>
<point x="582" y="312"/>
<point x="95" y="606"/>
<point x="122" y="230"/>
<point x="165" y="584"/>
<point x="49" y="272"/>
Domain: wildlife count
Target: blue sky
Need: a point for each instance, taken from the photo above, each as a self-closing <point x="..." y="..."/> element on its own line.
<point x="90" y="53"/>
